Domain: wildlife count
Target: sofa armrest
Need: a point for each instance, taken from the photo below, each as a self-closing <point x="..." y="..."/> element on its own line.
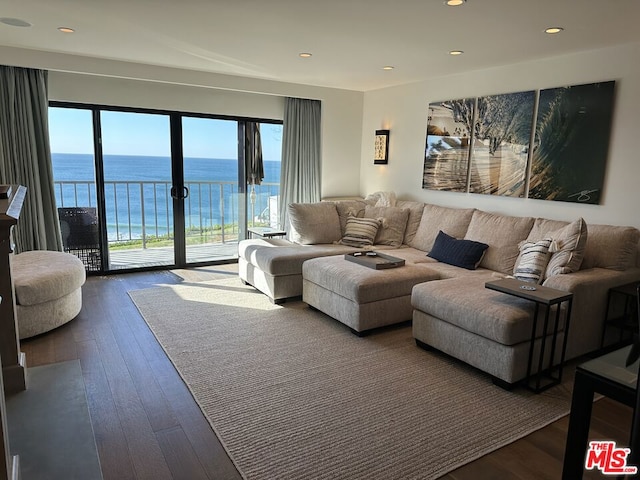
<point x="602" y="278"/>
<point x="590" y="288"/>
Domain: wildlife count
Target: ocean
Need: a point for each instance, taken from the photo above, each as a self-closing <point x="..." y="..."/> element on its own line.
<point x="138" y="187"/>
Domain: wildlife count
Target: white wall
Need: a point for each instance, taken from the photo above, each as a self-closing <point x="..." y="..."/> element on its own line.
<point x="75" y="78"/>
<point x="403" y="110"/>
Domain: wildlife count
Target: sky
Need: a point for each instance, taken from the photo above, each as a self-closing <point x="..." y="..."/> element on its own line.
<point x="124" y="133"/>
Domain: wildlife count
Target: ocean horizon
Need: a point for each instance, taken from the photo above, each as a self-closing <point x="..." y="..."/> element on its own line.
<point x="132" y="182"/>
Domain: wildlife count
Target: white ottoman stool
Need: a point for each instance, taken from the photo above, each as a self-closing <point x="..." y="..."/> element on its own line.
<point x="47" y="286"/>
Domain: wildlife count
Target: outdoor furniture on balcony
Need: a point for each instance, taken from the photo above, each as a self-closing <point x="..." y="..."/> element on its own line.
<point x="81" y="235"/>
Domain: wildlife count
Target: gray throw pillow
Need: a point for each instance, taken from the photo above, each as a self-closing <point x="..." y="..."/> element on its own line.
<point x="392" y="226"/>
<point x="567" y="247"/>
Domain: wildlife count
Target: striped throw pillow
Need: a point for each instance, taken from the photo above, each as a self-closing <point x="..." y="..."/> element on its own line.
<point x="533" y="260"/>
<point x="360" y="232"/>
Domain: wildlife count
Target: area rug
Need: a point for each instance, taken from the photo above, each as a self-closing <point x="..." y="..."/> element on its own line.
<point x="293" y="394"/>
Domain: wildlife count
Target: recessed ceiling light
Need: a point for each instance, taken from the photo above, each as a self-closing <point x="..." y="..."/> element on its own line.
<point x="388" y="67"/>
<point x="553" y="30"/>
<point x="305" y="55"/>
<point x="456" y="52"/>
<point x="454" y="3"/>
<point x="66" y="30"/>
<point x="14" y="22"/>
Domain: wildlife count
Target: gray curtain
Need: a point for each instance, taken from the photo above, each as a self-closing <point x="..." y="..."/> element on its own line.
<point x="300" y="169"/>
<point x="25" y="156"/>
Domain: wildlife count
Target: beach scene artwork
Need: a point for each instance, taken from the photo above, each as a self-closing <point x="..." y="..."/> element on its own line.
<point x="446" y="160"/>
<point x="573" y="128"/>
<point x="501" y="138"/>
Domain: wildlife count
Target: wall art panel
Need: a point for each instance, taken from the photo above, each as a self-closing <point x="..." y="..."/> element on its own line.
<point x="573" y="128"/>
<point x="446" y="160"/>
<point x="502" y="133"/>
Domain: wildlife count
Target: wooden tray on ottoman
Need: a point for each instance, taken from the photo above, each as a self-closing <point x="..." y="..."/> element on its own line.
<point x="376" y="260"/>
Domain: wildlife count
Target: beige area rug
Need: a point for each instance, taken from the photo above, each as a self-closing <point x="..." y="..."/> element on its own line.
<point x="292" y="394"/>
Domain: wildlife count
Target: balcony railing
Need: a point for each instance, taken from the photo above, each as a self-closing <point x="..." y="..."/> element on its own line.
<point x="141" y="211"/>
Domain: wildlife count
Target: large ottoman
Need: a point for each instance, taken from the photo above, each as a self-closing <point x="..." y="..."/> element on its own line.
<point x="361" y="297"/>
<point x="47" y="286"/>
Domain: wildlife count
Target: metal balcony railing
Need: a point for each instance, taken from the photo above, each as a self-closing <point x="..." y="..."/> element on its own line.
<point x="140" y="211"/>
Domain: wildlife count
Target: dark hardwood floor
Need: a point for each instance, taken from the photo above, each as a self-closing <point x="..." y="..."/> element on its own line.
<point x="147" y="425"/>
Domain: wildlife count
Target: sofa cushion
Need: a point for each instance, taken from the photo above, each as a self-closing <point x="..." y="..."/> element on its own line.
<point x="313" y="223"/>
<point x="567" y="247"/>
<point x="283" y="261"/>
<point x="415" y="214"/>
<point x="360" y="232"/>
<point x="452" y="221"/>
<point x="611" y="247"/>
<point x="361" y="284"/>
<point x="532" y="261"/>
<point x="460" y="253"/>
<point x="349" y="208"/>
<point x="503" y="318"/>
<point x="393" y="223"/>
<point x="542" y="227"/>
<point x="503" y="234"/>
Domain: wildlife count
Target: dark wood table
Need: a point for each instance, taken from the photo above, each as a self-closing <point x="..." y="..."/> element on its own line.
<point x="548" y="298"/>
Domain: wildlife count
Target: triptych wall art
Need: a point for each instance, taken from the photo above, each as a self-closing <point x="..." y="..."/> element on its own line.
<point x="492" y="145"/>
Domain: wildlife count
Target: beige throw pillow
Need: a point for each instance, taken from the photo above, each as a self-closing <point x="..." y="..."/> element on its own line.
<point x="313" y="223"/>
<point x="360" y="232"/>
<point x="392" y="226"/>
<point x="567" y="247"/>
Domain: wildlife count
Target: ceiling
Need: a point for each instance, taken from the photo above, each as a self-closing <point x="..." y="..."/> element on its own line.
<point x="351" y="40"/>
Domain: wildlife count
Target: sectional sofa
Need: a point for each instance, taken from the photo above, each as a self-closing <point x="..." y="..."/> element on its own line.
<point x="441" y="287"/>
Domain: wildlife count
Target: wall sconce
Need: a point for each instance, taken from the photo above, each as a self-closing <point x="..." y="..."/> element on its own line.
<point x="381" y="151"/>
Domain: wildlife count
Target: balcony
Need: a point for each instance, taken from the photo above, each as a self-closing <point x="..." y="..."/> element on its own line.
<point x="139" y="220"/>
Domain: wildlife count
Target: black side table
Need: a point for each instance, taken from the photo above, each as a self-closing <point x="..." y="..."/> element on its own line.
<point x="628" y="321"/>
<point x="547" y="297"/>
<point x="608" y="376"/>
<point x="266" y="232"/>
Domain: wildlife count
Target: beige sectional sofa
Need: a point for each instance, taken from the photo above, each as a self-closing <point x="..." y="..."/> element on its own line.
<point x="451" y="309"/>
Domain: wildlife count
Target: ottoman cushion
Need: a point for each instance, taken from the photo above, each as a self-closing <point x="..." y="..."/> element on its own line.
<point x="362" y="284"/>
<point x="40" y="276"/>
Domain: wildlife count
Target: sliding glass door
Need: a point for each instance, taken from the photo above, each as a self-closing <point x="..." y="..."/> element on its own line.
<point x="211" y="204"/>
<point x="153" y="189"/>
<point x="136" y="160"/>
<point x="74" y="174"/>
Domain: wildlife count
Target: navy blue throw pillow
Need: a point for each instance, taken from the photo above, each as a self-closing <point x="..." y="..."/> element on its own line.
<point x="460" y="253"/>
